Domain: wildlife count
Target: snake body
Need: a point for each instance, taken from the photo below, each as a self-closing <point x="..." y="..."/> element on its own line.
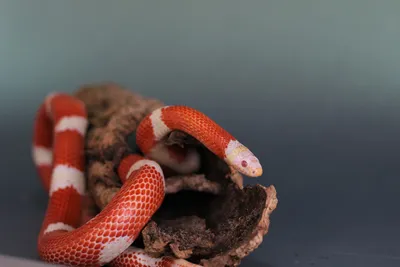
<point x="58" y="153"/>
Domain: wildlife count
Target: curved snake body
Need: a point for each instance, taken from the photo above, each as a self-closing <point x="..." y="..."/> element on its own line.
<point x="58" y="153"/>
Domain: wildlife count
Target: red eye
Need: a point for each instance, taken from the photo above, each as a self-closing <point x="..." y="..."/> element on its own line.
<point x="244" y="164"/>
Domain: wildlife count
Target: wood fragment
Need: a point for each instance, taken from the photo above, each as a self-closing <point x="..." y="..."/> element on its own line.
<point x="208" y="218"/>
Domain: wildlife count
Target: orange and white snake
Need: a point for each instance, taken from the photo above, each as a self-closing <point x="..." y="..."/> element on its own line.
<point x="58" y="153"/>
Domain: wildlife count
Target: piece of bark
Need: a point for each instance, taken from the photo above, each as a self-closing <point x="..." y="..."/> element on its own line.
<point x="207" y="218"/>
<point x="213" y="228"/>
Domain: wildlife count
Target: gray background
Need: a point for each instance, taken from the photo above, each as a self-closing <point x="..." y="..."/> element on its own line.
<point x="312" y="87"/>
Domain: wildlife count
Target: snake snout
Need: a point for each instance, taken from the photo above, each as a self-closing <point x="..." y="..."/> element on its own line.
<point x="257" y="172"/>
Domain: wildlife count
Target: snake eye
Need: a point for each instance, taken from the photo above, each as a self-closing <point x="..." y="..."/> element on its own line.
<point x="244" y="163"/>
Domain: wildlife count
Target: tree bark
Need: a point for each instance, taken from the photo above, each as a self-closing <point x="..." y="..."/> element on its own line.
<point x="208" y="218"/>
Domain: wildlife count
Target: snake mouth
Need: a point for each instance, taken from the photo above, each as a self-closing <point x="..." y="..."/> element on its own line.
<point x="204" y="214"/>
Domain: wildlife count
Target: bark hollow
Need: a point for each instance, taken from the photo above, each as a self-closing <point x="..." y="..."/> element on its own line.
<point x="208" y="218"/>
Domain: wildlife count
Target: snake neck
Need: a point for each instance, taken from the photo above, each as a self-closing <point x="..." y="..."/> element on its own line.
<point x="156" y="126"/>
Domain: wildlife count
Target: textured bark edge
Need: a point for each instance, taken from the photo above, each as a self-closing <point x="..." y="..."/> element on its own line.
<point x="234" y="257"/>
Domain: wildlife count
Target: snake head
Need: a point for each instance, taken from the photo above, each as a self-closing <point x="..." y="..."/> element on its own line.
<point x="242" y="159"/>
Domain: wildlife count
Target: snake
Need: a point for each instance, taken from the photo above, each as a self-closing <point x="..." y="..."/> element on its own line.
<point x="58" y="152"/>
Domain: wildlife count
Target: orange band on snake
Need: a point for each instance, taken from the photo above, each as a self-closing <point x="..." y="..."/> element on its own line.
<point x="58" y="152"/>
